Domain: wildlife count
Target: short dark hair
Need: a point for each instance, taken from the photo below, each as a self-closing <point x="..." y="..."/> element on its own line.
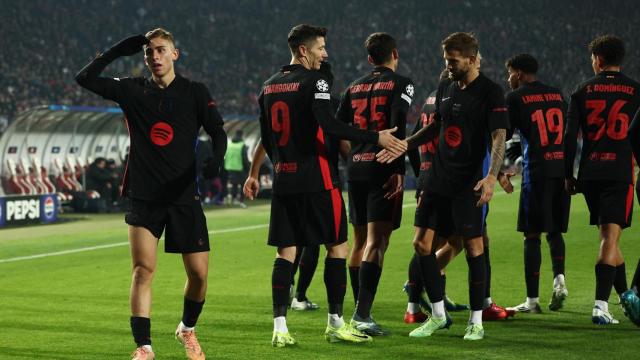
<point x="303" y="34"/>
<point x="380" y="47"/>
<point x="465" y="42"/>
<point x="523" y="62"/>
<point x="609" y="47"/>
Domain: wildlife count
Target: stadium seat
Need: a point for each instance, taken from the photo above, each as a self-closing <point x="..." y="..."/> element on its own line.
<point x="11" y="184"/>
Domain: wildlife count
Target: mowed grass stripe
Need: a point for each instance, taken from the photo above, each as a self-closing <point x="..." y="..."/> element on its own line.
<point x="76" y="307"/>
<point x="107" y="246"/>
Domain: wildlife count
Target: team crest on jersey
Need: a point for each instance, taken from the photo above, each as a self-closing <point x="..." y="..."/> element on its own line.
<point x="409" y="90"/>
<point x="322" y="85"/>
<point x="161" y="133"/>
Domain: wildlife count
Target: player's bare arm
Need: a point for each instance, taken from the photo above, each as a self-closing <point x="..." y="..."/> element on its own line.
<point x="487" y="184"/>
<point x="252" y="184"/>
<point x="423" y="136"/>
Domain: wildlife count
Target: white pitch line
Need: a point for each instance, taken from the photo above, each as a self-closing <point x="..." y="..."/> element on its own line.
<point x="107" y="246"/>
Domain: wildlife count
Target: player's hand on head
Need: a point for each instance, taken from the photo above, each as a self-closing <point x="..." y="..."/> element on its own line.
<point x="211" y="168"/>
<point x="251" y="188"/>
<point x="394" y="186"/>
<point x="504" y="179"/>
<point x="486" y="186"/>
<point x="131" y="45"/>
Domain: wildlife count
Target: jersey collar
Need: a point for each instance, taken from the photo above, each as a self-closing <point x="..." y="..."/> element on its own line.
<point x="291" y="67"/>
<point x="380" y="69"/>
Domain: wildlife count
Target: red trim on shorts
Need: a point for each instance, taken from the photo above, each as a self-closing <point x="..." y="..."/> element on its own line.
<point x="322" y="159"/>
<point x="336" y="201"/>
<point x="629" y="204"/>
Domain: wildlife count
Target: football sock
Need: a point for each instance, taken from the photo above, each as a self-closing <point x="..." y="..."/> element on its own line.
<point x="431" y="277"/>
<point x="369" y="278"/>
<point x="335" y="280"/>
<point x="280" y="284"/>
<point x="141" y="330"/>
<point x="558" y="280"/>
<point x="532" y="260"/>
<point x="605" y="275"/>
<point x="475" y="317"/>
<point x="438" y="309"/>
<point x="335" y="321"/>
<point x="444" y="284"/>
<point x="532" y="301"/>
<point x="307" y="267"/>
<point x="477" y="276"/>
<point x="182" y="327"/>
<point x="191" y="311"/>
<point x="280" y="324"/>
<point x="354" y="276"/>
<point x="556" y="248"/>
<point x="620" y="281"/>
<point x="487" y="260"/>
<point x="635" y="283"/>
<point x="487" y="302"/>
<point x="603" y="305"/>
<point x="413" y="308"/>
<point x="415" y="280"/>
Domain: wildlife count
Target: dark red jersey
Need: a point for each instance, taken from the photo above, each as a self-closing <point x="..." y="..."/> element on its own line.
<point x="466" y="118"/>
<point x="602" y="108"/>
<point x="163" y="127"/>
<point x="296" y="116"/>
<point x="377" y="101"/>
<point x="538" y="112"/>
<point x="425" y="152"/>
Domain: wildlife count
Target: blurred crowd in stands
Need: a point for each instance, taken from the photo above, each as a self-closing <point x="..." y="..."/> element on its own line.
<point x="234" y="45"/>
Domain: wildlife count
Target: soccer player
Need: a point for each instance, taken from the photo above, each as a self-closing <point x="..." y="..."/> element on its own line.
<point x="164" y="115"/>
<point x="537" y="111"/>
<point x="601" y="108"/>
<point x="421" y="160"/>
<point x="307" y="206"/>
<point x="306" y="257"/>
<point x="470" y="110"/>
<point x="376" y="101"/>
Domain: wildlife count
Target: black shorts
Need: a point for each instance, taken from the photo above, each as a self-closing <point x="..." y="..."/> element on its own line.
<point x="544" y="207"/>
<point x="308" y="219"/>
<point x="367" y="204"/>
<point x="424" y="219"/>
<point x="186" y="227"/>
<point x="609" y="202"/>
<point x="452" y="215"/>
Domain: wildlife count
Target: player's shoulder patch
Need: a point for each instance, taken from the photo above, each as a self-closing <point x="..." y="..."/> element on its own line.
<point x="321" y="88"/>
<point x="322" y="85"/>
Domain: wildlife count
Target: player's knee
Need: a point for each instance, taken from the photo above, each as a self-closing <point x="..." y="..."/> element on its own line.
<point x="338" y="251"/>
<point x="143" y="273"/>
<point x="474" y="247"/>
<point x="422" y="248"/>
<point x="199" y="276"/>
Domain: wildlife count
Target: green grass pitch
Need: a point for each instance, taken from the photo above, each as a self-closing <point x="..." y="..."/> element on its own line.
<point x="75" y="305"/>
